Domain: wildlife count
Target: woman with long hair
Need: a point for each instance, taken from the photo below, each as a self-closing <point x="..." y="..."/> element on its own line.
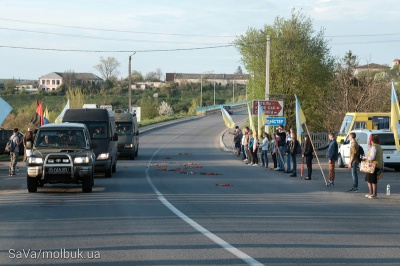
<point x="308" y="154"/>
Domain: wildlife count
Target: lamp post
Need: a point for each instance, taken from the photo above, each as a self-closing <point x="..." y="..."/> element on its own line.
<point x="214" y="90"/>
<point x="130" y="84"/>
<point x="201" y="87"/>
<point x="233" y="91"/>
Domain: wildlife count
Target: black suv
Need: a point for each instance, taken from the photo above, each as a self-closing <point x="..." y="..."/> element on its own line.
<point x="61" y="153"/>
<point x="5" y="135"/>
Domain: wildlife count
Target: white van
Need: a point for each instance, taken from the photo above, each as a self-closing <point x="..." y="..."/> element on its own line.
<point x="391" y="157"/>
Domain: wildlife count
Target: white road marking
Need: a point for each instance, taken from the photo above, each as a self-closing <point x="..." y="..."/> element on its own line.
<point x="241" y="255"/>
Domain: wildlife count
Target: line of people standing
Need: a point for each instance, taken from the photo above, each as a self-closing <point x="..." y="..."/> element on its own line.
<point x="283" y="148"/>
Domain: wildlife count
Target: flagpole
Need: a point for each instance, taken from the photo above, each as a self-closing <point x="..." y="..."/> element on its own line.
<point x="316" y="155"/>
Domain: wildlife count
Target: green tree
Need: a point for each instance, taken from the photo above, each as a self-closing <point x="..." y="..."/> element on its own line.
<point x="300" y="63"/>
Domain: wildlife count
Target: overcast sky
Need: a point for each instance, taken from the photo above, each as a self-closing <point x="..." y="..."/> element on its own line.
<point x="369" y="28"/>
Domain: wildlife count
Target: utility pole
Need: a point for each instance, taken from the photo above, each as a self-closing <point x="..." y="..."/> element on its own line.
<point x="130" y="83"/>
<point x="129" y="88"/>
<point x="267" y="74"/>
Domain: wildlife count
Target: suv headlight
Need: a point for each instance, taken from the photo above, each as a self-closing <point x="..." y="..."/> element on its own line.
<point x="103" y="156"/>
<point x="79" y="160"/>
<point x="128" y="145"/>
<point x="35" y="160"/>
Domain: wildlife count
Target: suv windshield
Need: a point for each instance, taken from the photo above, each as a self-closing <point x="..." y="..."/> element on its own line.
<point x="124" y="128"/>
<point x="60" y="138"/>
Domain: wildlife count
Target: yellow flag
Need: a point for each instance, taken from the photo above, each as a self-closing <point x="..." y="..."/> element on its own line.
<point x="250" y="118"/>
<point x="395" y="116"/>
<point x="227" y="118"/>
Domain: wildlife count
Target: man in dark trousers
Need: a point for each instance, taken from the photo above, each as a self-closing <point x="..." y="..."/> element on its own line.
<point x="14" y="151"/>
<point x="332" y="155"/>
<point x="281" y="147"/>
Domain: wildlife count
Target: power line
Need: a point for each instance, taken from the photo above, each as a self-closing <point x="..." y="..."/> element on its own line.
<point x="113" y="30"/>
<point x="99" y="38"/>
<point x="115" y="51"/>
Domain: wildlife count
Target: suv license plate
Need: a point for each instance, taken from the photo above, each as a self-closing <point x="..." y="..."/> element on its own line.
<point x="58" y="170"/>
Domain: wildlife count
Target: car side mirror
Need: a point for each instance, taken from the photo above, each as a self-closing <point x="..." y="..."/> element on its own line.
<point x="115" y="137"/>
<point x="341" y="141"/>
<point x="94" y="144"/>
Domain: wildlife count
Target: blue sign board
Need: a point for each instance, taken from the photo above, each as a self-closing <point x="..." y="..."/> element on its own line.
<point x="276" y="121"/>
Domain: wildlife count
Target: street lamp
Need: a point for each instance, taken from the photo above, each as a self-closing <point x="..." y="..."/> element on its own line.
<point x="201" y="87"/>
<point x="233" y="91"/>
<point x="130" y="82"/>
<point x="214" y="90"/>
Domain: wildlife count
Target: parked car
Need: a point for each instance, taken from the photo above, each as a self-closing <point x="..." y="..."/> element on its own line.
<point x="5" y="135"/>
<point x="391" y="157"/>
<point x="228" y="108"/>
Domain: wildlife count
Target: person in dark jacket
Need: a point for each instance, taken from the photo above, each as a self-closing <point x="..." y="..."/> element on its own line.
<point x="281" y="147"/>
<point x="332" y="155"/>
<point x="308" y="154"/>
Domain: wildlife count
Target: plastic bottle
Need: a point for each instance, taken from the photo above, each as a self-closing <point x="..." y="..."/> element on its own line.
<point x="388" y="190"/>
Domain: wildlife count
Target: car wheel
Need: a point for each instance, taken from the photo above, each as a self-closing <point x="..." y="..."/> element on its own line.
<point x="31" y="184"/>
<point x="397" y="168"/>
<point x="132" y="155"/>
<point x="137" y="150"/>
<point x="340" y="161"/>
<point x="108" y="172"/>
<point x="114" y="167"/>
<point x="87" y="185"/>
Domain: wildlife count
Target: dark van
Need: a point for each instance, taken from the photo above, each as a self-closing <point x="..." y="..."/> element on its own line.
<point x="101" y="125"/>
<point x="128" y="134"/>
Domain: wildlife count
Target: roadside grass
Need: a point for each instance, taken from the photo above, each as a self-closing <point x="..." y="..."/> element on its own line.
<point x="159" y="119"/>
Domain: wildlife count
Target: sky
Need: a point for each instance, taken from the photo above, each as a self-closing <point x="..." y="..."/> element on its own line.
<point x="186" y="36"/>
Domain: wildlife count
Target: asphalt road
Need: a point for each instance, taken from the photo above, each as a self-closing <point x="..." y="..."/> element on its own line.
<point x="187" y="201"/>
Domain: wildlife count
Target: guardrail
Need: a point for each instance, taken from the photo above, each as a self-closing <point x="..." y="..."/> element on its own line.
<point x="213" y="109"/>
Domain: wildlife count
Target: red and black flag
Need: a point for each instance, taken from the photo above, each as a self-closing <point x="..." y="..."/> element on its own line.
<point x="38" y="119"/>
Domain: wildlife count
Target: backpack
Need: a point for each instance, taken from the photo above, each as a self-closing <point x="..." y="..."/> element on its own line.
<point x="10" y="146"/>
<point x="250" y="145"/>
<point x="298" y="148"/>
<point x="361" y="153"/>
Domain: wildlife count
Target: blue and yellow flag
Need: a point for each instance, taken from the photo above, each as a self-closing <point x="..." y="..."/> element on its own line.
<point x="395" y="116"/>
<point x="5" y="110"/>
<point x="300" y="119"/>
<point x="60" y="117"/>
<point x="227" y="118"/>
<point x="46" y="116"/>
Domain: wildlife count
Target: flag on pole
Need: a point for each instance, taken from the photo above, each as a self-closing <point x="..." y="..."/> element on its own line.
<point x="227" y="118"/>
<point x="250" y="118"/>
<point x="60" y="117"/>
<point x="395" y="116"/>
<point x="300" y="119"/>
<point x="46" y="116"/>
<point x="261" y="120"/>
<point x="5" y="110"/>
<point x="37" y="119"/>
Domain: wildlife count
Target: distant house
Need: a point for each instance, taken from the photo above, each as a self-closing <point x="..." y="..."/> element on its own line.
<point x="395" y="63"/>
<point x="370" y="68"/>
<point x="223" y="79"/>
<point x="27" y="85"/>
<point x="52" y="81"/>
<point x="147" y="84"/>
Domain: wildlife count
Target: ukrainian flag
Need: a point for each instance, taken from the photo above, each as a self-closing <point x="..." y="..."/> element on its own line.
<point x="300" y="119"/>
<point x="395" y="116"/>
<point x="227" y="118"/>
